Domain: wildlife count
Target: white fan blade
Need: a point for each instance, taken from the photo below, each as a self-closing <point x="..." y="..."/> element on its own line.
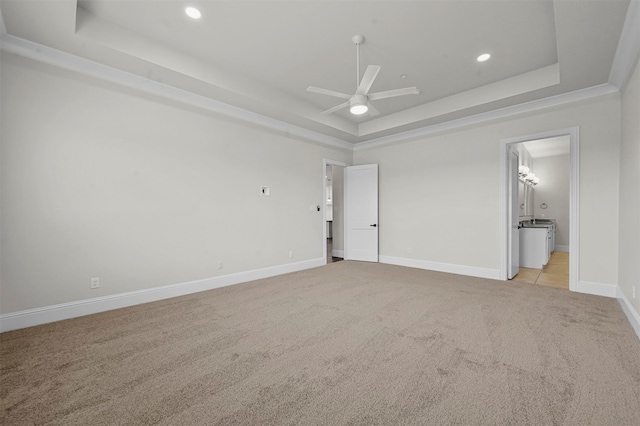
<point x="393" y="93"/>
<point x="367" y="79"/>
<point x="328" y="92"/>
<point x="335" y="108"/>
<point x="372" y="111"/>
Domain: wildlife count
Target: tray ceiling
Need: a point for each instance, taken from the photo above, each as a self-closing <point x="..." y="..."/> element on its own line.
<point x="260" y="56"/>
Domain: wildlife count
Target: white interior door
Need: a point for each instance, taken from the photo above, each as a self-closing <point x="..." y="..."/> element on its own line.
<point x="514" y="214"/>
<point x="361" y="212"/>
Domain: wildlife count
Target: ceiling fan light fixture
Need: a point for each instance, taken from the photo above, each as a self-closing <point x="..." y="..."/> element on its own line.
<point x="359" y="109"/>
<point x="192" y="12"/>
<point x="358" y="105"/>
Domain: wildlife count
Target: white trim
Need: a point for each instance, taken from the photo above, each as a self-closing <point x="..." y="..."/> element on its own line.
<point x="632" y="315"/>
<point x="48" y="55"/>
<point x="574" y="208"/>
<point x="471" y="271"/>
<point x="574" y="199"/>
<point x="597" y="289"/>
<point x="628" y="47"/>
<point x="3" y="27"/>
<point x="520" y="84"/>
<point x="559" y="247"/>
<point x="503" y="212"/>
<point x="47" y="314"/>
<point x="337" y="253"/>
<point x="552" y="101"/>
<point x="75" y="63"/>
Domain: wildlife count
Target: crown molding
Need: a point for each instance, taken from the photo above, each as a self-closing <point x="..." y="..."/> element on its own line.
<point x="527" y="82"/>
<point x="552" y="101"/>
<point x="628" y="47"/>
<point x="51" y="56"/>
<point x="3" y="27"/>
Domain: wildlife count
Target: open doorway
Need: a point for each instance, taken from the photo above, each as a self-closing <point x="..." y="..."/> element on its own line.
<point x="333" y="190"/>
<point x="541" y="205"/>
<point x="543" y="211"/>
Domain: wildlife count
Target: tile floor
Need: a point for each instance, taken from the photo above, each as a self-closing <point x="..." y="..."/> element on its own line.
<point x="554" y="274"/>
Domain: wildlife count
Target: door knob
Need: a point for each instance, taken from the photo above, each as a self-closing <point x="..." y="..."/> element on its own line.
<point x="374" y="225"/>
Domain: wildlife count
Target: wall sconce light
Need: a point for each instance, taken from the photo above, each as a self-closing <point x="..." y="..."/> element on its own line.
<point x="527" y="178"/>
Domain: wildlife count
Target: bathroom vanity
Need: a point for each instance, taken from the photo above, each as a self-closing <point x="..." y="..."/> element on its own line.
<point x="537" y="241"/>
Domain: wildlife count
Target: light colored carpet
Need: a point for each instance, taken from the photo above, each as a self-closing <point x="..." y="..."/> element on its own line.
<point x="347" y="344"/>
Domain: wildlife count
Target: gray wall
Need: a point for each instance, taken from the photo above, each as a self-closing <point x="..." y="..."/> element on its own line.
<point x="629" y="248"/>
<point x="101" y="181"/>
<point x="439" y="194"/>
<point x="553" y="190"/>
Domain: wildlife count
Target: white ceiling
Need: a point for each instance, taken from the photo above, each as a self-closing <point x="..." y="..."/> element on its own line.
<point x="261" y="56"/>
<point x="549" y="147"/>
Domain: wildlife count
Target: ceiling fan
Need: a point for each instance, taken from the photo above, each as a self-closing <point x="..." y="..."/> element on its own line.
<point x="359" y="103"/>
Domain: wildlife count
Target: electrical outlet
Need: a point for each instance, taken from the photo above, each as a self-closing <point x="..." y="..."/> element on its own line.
<point x="220" y="265"/>
<point x="409" y="250"/>
<point x="95" y="282"/>
<point x="291" y="253"/>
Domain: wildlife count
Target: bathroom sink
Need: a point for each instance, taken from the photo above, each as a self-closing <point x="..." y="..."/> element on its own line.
<point x="538" y="223"/>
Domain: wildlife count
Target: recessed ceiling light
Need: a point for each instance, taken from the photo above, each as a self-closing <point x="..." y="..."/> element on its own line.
<point x="192" y="12"/>
<point x="484" y="57"/>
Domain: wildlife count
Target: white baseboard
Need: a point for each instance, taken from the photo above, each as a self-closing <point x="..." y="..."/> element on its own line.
<point x="442" y="267"/>
<point x="632" y="315"/>
<point x="337" y="253"/>
<point x="47" y="314"/>
<point x="597" y="289"/>
<point x="561" y="248"/>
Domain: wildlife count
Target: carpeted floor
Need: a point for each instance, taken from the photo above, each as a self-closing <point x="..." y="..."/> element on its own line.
<point x="346" y="344"/>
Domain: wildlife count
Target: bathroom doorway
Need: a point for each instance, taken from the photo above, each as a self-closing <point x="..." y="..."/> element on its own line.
<point x="333" y="187"/>
<point x="542" y="206"/>
<point x="543" y="211"/>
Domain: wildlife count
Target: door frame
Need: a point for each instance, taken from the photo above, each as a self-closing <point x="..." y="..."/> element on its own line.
<point x="327" y="162"/>
<point x="574" y="198"/>
<point x="513" y="237"/>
